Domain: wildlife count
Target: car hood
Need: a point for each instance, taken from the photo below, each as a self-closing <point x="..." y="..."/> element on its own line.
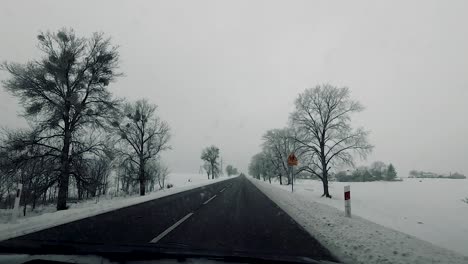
<point x="73" y="252"/>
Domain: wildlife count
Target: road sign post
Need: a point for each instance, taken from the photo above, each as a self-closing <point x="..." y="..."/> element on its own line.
<point x="292" y="178"/>
<point x="347" y="198"/>
<point x="14" y="213"/>
<point x="292" y="161"/>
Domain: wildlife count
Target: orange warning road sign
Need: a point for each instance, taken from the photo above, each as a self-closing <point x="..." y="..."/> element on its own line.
<point x="292" y="160"/>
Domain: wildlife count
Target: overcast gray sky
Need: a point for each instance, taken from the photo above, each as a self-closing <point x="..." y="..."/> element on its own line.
<point x="225" y="72"/>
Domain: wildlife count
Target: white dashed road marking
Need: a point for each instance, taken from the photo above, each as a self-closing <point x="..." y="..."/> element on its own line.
<point x="167" y="231"/>
<point x="207" y="201"/>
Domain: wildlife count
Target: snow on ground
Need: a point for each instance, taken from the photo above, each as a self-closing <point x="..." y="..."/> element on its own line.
<point x="357" y="240"/>
<point x="430" y="209"/>
<point x="46" y="217"/>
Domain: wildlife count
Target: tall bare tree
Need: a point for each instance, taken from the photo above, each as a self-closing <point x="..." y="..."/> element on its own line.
<point x="143" y="134"/>
<point x="65" y="92"/>
<point x="276" y="151"/>
<point x="322" y="117"/>
<point x="211" y="155"/>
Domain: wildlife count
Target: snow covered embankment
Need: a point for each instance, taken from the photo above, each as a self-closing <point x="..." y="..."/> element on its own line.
<point x="356" y="240"/>
<point x="91" y="208"/>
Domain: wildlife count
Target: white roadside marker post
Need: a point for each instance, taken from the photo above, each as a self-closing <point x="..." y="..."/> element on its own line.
<point x="14" y="213"/>
<point x="347" y="198"/>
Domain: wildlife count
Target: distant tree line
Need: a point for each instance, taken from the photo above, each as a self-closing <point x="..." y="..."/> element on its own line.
<point x="378" y="171"/>
<point x="81" y="140"/>
<point x="319" y="133"/>
<point x="230" y="170"/>
<point x="422" y="174"/>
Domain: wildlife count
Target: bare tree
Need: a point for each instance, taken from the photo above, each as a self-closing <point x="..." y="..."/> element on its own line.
<point x="6" y="181"/>
<point x="378" y="169"/>
<point x="322" y="117"/>
<point x="260" y="167"/>
<point x="127" y="175"/>
<point x="27" y="164"/>
<point x="277" y="145"/>
<point x="211" y="155"/>
<point x="276" y="151"/>
<point x="230" y="170"/>
<point x="143" y="136"/>
<point x="159" y="173"/>
<point x="98" y="171"/>
<point x="256" y="165"/>
<point x="207" y="168"/>
<point x="65" y="92"/>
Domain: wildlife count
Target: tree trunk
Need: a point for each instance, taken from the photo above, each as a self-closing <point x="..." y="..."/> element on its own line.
<point x="44" y="197"/>
<point x="127" y="185"/>
<point x="64" y="171"/>
<point x="141" y="177"/>
<point x="9" y="201"/>
<point x="51" y="191"/>
<point x="79" y="190"/>
<point x="325" y="185"/>
<point x="34" y="202"/>
<point x="324" y="169"/>
<point x="212" y="171"/>
<point x="325" y="188"/>
<point x="281" y="179"/>
<point x="104" y="187"/>
<point x="116" y="192"/>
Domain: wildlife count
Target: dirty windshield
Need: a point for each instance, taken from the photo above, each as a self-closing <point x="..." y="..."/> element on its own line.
<point x="234" y="131"/>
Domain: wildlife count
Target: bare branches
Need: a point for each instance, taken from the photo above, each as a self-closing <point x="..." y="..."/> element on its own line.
<point x="211" y="155"/>
<point x="65" y="93"/>
<point x="142" y="135"/>
<point x="277" y="145"/>
<point x="322" y="118"/>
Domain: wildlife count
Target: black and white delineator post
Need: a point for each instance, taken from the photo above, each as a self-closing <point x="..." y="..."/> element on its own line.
<point x="347" y="200"/>
<point x="14" y="213"/>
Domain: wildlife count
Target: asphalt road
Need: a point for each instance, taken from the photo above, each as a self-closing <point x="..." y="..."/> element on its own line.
<point x="228" y="216"/>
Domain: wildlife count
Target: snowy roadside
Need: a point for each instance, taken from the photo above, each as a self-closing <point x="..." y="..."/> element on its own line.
<point x="89" y="208"/>
<point x="415" y="207"/>
<point x="356" y="240"/>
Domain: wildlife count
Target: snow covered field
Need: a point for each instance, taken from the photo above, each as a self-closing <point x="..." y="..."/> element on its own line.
<point x="398" y="205"/>
<point x="46" y="216"/>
